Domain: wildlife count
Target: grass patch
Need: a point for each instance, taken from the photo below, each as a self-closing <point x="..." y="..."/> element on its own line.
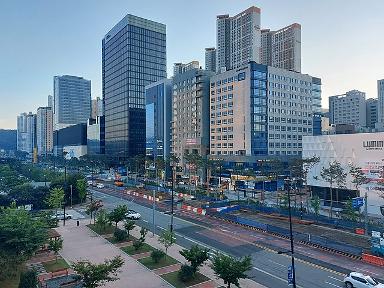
<point x="166" y="261"/>
<point x="52" y="266"/>
<point x="173" y="279"/>
<point x="131" y="250"/>
<point x="109" y="229"/>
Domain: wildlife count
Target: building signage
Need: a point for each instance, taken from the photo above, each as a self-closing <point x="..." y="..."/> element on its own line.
<point x="373" y="145"/>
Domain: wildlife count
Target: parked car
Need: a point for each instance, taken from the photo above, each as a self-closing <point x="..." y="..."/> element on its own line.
<point x="60" y="216"/>
<point x="359" y="280"/>
<point x="100" y="185"/>
<point x="133" y="215"/>
<point x="89" y="182"/>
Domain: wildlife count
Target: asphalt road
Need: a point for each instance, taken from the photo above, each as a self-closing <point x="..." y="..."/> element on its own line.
<point x="269" y="268"/>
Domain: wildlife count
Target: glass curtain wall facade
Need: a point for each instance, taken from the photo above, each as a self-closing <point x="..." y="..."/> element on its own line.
<point x="134" y="55"/>
<point x="259" y="137"/>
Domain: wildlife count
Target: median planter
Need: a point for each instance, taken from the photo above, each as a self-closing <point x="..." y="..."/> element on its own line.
<point x="173" y="278"/>
<point x="163" y="262"/>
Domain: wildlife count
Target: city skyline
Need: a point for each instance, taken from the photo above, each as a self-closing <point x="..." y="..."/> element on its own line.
<point x="35" y="54"/>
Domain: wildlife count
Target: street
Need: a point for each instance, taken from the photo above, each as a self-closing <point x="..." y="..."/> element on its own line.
<point x="269" y="268"/>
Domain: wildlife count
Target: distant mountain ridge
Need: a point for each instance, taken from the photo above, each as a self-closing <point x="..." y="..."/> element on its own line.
<point x="8" y="139"/>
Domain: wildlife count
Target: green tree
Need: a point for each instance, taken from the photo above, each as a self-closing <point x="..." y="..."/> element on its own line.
<point x="167" y="238"/>
<point x="55" y="198"/>
<point x="349" y="212"/>
<point x="358" y="176"/>
<point x="28" y="279"/>
<point x="118" y="214"/>
<point x="93" y="207"/>
<point x="315" y="204"/>
<point x="55" y="245"/>
<point x="157" y="255"/>
<point x="20" y="237"/>
<point x="129" y="225"/>
<point x="95" y="275"/>
<point x="102" y="219"/>
<point x="333" y="174"/>
<point x="81" y="186"/>
<point x="196" y="256"/>
<point x="230" y="269"/>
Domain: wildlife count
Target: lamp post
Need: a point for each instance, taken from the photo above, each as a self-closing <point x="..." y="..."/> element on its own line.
<point x="173" y="172"/>
<point x="288" y="186"/>
<point x="65" y="186"/>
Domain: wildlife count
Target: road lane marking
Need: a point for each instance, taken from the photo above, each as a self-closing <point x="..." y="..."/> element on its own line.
<point x="279" y="264"/>
<point x="162" y="228"/>
<point x="146" y="221"/>
<point x="334" y="285"/>
<point x="274" y="276"/>
<point x="335" y="279"/>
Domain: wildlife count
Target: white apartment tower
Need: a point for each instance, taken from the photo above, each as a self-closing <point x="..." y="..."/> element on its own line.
<point x="44" y="130"/>
<point x="26" y="132"/>
<point x="282" y="48"/>
<point x="238" y="39"/>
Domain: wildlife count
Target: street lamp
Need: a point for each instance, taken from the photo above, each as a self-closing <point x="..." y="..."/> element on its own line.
<point x="288" y="188"/>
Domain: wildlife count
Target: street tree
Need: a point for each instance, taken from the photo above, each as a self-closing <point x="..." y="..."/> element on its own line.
<point x="129" y="225"/>
<point x="81" y="186"/>
<point x="196" y="256"/>
<point x="358" y="176"/>
<point x="93" y="207"/>
<point x="102" y="219"/>
<point x="315" y="204"/>
<point x="20" y="237"/>
<point x="231" y="270"/>
<point x="334" y="175"/>
<point x="118" y="214"/>
<point x="167" y="238"/>
<point x="55" y="198"/>
<point x="349" y="212"/>
<point x="55" y="245"/>
<point x="96" y="275"/>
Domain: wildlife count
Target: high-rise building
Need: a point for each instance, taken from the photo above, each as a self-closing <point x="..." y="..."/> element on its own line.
<point x="50" y="101"/>
<point x="210" y="59"/>
<point x="260" y="110"/>
<point x="286" y="48"/>
<point x="96" y="135"/>
<point x="380" y="107"/>
<point x="44" y="130"/>
<point x="372" y="105"/>
<point x="26" y="132"/>
<point x="238" y="39"/>
<point x="349" y="108"/>
<point x="179" y="68"/>
<point x="133" y="56"/>
<point x="190" y="117"/>
<point x="158" y="99"/>
<point x="72" y="101"/>
<point x="96" y="108"/>
<point x="282" y="48"/>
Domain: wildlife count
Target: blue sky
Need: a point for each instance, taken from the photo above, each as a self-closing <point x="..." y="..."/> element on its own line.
<point x="342" y="41"/>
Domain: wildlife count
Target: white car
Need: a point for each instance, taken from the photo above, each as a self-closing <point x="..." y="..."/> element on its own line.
<point x="131" y="214"/>
<point x="100" y="185"/>
<point x="60" y="216"/>
<point x="90" y="182"/>
<point x="358" y="280"/>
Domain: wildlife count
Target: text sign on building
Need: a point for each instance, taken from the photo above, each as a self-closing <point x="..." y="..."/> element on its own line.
<point x="357" y="202"/>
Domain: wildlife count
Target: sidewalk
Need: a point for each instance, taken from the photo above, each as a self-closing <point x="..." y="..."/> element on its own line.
<point x="80" y="243"/>
<point x="206" y="270"/>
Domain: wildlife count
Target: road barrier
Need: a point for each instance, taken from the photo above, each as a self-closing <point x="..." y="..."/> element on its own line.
<point x="379" y="261"/>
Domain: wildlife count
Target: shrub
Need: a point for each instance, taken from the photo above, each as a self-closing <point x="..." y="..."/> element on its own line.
<point x="137" y="244"/>
<point x="157" y="255"/>
<point x="28" y="279"/>
<point x="120" y="235"/>
<point x="185" y="273"/>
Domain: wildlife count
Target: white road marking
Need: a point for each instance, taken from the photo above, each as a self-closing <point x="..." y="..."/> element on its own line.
<point x="277" y="263"/>
<point x="146" y="221"/>
<point x="162" y="228"/>
<point x="334" y="285"/>
<point x="335" y="279"/>
<point x="274" y="276"/>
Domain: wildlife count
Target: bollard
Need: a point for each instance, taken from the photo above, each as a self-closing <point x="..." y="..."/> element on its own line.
<point x="77" y="223"/>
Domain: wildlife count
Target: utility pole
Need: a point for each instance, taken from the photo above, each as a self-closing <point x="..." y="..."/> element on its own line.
<point x="173" y="172"/>
<point x="154" y="202"/>
<point x="65" y="186"/>
<point x="291" y="234"/>
<point x="71" y="194"/>
<point x="366" y="213"/>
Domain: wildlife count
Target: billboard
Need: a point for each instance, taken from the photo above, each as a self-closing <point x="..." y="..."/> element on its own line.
<point x="364" y="150"/>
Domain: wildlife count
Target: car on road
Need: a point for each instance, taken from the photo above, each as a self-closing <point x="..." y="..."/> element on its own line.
<point x="100" y="185"/>
<point x="359" y="280"/>
<point x="60" y="216"/>
<point x="133" y="215"/>
<point x="89" y="182"/>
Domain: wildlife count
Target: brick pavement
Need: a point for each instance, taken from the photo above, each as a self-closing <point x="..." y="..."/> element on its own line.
<point x="167" y="269"/>
<point x="80" y="243"/>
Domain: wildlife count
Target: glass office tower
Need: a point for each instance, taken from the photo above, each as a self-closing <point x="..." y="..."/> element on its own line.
<point x="134" y="55"/>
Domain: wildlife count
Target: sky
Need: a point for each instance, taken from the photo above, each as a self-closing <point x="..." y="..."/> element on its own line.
<point x="342" y="41"/>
